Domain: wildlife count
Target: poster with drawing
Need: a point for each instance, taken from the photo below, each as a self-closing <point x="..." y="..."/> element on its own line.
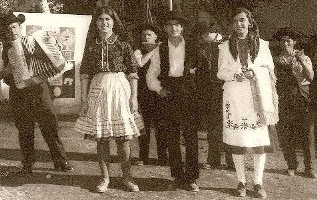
<point x="69" y="33"/>
<point x="63" y="85"/>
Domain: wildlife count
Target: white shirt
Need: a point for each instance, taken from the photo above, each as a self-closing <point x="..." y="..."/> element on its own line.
<point x="176" y="59"/>
<point x="154" y="71"/>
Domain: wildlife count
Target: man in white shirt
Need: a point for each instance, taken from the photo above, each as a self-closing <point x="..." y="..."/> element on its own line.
<point x="173" y="80"/>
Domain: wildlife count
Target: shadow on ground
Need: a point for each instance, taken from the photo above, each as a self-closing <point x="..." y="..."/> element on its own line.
<point x="88" y="182"/>
<point x="44" y="156"/>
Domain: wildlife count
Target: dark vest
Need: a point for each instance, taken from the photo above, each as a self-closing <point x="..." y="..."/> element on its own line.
<point x="142" y="71"/>
<point x="190" y="60"/>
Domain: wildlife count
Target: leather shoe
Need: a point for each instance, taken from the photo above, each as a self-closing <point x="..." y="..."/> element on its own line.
<point x="139" y="163"/>
<point x="231" y="168"/>
<point x="259" y="191"/>
<point x="130" y="185"/>
<point x="193" y="186"/>
<point x="310" y="174"/>
<point x="177" y="183"/>
<point x="162" y="163"/>
<point x="291" y="172"/>
<point x="64" y="167"/>
<point x="206" y="166"/>
<point x="241" y="190"/>
<point x="103" y="185"/>
<point x="25" y="171"/>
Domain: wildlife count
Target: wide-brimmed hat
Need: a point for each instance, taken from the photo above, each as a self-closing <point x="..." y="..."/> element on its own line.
<point x="176" y="15"/>
<point x="8" y="18"/>
<point x="287" y="31"/>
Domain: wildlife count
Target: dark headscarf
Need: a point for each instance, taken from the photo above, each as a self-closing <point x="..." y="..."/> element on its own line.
<point x="253" y="37"/>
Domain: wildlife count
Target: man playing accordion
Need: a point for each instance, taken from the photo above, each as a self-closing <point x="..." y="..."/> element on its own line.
<point x="29" y="63"/>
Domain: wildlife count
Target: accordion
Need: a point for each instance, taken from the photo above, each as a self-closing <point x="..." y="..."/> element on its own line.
<point x="34" y="59"/>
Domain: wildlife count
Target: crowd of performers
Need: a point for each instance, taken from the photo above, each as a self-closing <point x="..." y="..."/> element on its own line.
<point x="171" y="83"/>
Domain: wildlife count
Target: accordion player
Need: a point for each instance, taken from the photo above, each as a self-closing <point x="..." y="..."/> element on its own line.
<point x="32" y="60"/>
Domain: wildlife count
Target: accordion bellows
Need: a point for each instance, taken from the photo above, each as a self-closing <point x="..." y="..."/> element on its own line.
<point x="43" y="60"/>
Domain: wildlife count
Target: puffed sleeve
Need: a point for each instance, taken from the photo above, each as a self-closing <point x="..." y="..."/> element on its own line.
<point x="86" y="68"/>
<point x="138" y="57"/>
<point x="224" y="71"/>
<point x="130" y="61"/>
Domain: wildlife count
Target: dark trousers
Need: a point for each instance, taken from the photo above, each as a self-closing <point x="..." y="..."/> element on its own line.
<point x="296" y="128"/>
<point x="179" y="113"/>
<point x="144" y="141"/>
<point x="29" y="106"/>
<point x="215" y="148"/>
<point x="210" y="113"/>
<point x="148" y="102"/>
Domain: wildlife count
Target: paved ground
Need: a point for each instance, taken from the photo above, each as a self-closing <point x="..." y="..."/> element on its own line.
<point x="153" y="180"/>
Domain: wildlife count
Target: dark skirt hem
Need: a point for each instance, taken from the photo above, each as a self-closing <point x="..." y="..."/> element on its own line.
<point x="249" y="150"/>
<point x="273" y="147"/>
<point x="123" y="138"/>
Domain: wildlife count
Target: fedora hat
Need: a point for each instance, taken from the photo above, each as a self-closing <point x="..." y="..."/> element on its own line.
<point x="176" y="15"/>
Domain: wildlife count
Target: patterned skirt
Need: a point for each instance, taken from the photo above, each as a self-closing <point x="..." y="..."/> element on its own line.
<point x="109" y="114"/>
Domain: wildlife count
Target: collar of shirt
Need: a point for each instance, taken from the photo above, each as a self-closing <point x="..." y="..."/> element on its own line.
<point x="176" y="59"/>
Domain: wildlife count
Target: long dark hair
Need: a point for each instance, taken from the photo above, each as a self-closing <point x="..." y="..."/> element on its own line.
<point x="118" y="27"/>
<point x="253" y="36"/>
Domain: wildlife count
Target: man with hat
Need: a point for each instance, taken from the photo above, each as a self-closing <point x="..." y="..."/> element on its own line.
<point x="174" y="82"/>
<point x="29" y="96"/>
<point x="294" y="73"/>
<point x="146" y="55"/>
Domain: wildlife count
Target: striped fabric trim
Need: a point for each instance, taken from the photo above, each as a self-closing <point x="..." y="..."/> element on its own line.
<point x="104" y="128"/>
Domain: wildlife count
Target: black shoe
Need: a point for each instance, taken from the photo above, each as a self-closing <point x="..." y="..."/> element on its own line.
<point x="139" y="163"/>
<point x="193" y="186"/>
<point x="231" y="168"/>
<point x="162" y="163"/>
<point x="291" y="172"/>
<point x="25" y="171"/>
<point x="177" y="183"/>
<point x="310" y="174"/>
<point x="64" y="167"/>
<point x="206" y="166"/>
<point x="241" y="190"/>
<point x="259" y="192"/>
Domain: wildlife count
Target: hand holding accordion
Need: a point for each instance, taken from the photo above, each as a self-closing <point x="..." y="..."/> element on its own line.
<point x="47" y="56"/>
<point x="34" y="60"/>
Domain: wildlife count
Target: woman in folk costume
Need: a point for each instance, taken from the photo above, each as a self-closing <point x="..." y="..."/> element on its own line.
<point x="249" y="98"/>
<point x="109" y="108"/>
